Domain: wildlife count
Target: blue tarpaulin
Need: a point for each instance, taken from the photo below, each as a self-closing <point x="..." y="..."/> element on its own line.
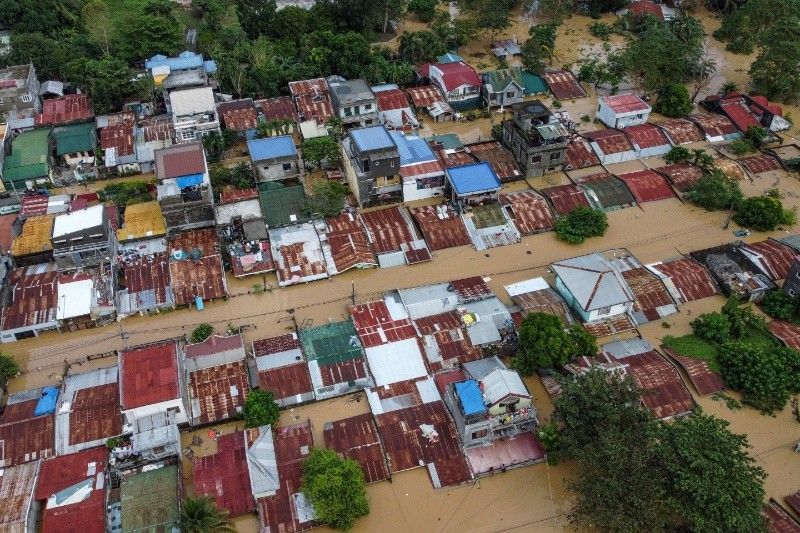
<point x="471" y="398"/>
<point x="198" y="302"/>
<point x="189" y="181"/>
<point x="47" y="403"/>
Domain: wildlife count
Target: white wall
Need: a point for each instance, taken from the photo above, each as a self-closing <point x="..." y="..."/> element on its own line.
<point x="147" y="410"/>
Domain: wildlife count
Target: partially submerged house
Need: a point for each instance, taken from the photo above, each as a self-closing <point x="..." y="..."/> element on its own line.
<point x="372" y="165"/>
<point x="716" y="128"/>
<point x="680" y="131"/>
<point x="282" y="369"/>
<point x="685" y="279"/>
<point x="34" y="245"/>
<point x="32" y="304"/>
<point x="611" y="146"/>
<point x="563" y="84"/>
<point x="472" y="184"/>
<point x="27" y="426"/>
<point x="274" y="158"/>
<point x="536" y="296"/>
<point x="195" y="267"/>
<point x="734" y="272"/>
<point x="648" y="140"/>
<point x="75" y="145"/>
<point x="88" y="410"/>
<point x="83" y="239"/>
<point x="536" y="138"/>
<point x="459" y="83"/>
<point x="605" y="191"/>
<point x="394" y="109"/>
<point x="622" y="110"/>
<point x="502" y="87"/>
<point x="19" y="511"/>
<point x="430" y="98"/>
<point x="184" y="187"/>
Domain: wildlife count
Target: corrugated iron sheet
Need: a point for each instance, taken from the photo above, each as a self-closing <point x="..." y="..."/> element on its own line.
<point x="610" y="141"/>
<point x="794" y="501"/>
<point x="33" y="300"/>
<point x="213" y="389"/>
<point x="529" y="210"/>
<point x="787" y="333"/>
<point x="149" y="375"/>
<point x="712" y="124"/>
<point x="357" y="438"/>
<point x="68" y="108"/>
<point x="778" y="520"/>
<point x="424" y="96"/>
<point x="610" y="191"/>
<point x="563" y="84"/>
<point x="349" y="244"/>
<point x="95" y="414"/>
<point x="387" y="229"/>
<point x="731" y="168"/>
<point x="650" y="293"/>
<point x="27" y="440"/>
<point x="580" y="154"/>
<point x="375" y="326"/>
<point x="441" y="233"/>
<point x="647" y="185"/>
<point x="312" y="99"/>
<point x="501" y="160"/>
<point x="224" y="476"/>
<point x="681" y="175"/>
<point x="758" y="164"/>
<point x="205" y="277"/>
<point x="565" y="198"/>
<point x="778" y="257"/>
<point x="646" y="136"/>
<point x="690" y="278"/>
<point x="681" y="131"/>
<point x="471" y="289"/>
<point x="286" y="381"/>
<point x="705" y="381"/>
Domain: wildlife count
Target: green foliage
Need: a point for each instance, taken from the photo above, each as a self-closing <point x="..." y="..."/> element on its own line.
<point x="549" y="437"/>
<point x="327" y="199"/>
<point x="775" y="72"/>
<point x="214" y="145"/>
<point x="608" y="72"/>
<point x="113" y="442"/>
<point x="713" y="327"/>
<point x="762" y="213"/>
<point x="8" y="369"/>
<point x="545" y="343"/>
<point x="742" y="146"/>
<point x="678" y="154"/>
<point x="756" y="135"/>
<point x="108" y="80"/>
<point x="694" y="347"/>
<point x="492" y="15"/>
<point x="538" y="49"/>
<point x="761" y="374"/>
<point x="715" y="191"/>
<point x="260" y="409"/>
<point x="240" y="176"/>
<point x="454" y="33"/>
<point x="149" y="30"/>
<point x="420" y="46"/>
<point x="425" y="10"/>
<point x="125" y="193"/>
<point x="200" y="514"/>
<point x="780" y="305"/>
<point x="274" y="128"/>
<point x="749" y="25"/>
<point x="674" y="101"/>
<point x="580" y="224"/>
<point x="601" y="30"/>
<point x="744" y="322"/>
<point x="202" y="332"/>
<point x="321" y="151"/>
<point x="335" y="487"/>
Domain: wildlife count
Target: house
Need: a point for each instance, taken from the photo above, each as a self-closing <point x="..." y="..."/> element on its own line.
<point x="283" y="370"/>
<point x="611" y="146"/>
<point x="26" y="426"/>
<point x="372" y="165"/>
<point x="715" y="127"/>
<point x="240" y="116"/>
<point x="422" y="174"/>
<point x="472" y="184"/>
<point x="216" y="378"/>
<point x="30" y="162"/>
<point x="746" y="111"/>
<point x="281" y="113"/>
<point x="314" y="106"/>
<point x="621" y="110"/>
<point x="791" y="284"/>
<point x="394" y="110"/>
<point x="187" y="69"/>
<point x="499" y="158"/>
<point x="184" y="187"/>
<point x="648" y="140"/>
<point x="535" y="296"/>
<point x="118" y="141"/>
<point x="19" y="95"/>
<point x="195" y="267"/>
<point x="83" y="238"/>
<point x="459" y="83"/>
<point x="152" y="133"/>
<point x="680" y="131"/>
<point x="148" y="498"/>
<point x="734" y="272"/>
<point x="505" y="49"/>
<point x="68" y="109"/>
<point x="34" y="244"/>
<point x="536" y="138"/>
<point x="151" y="382"/>
<point x="354" y="102"/>
<point x="772" y="257"/>
<point x="30" y="304"/>
<point x="593" y="287"/>
<point x="223" y="475"/>
<point x="274" y="158"/>
<point x="429" y="98"/>
<point x="194" y="113"/>
<point x="19" y="511"/>
<point x="85" y="298"/>
<point x="563" y="84"/>
<point x="491" y="404"/>
<point x="502" y="87"/>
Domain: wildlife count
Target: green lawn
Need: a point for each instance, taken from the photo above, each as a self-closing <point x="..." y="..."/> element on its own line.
<point x="694" y="347"/>
<point x="488" y="216"/>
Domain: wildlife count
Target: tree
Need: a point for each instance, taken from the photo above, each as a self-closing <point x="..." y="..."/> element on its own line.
<point x="776" y="70"/>
<point x="779" y="305"/>
<point x="545" y="343"/>
<point x="715" y="485"/>
<point x="714" y="327"/>
<point x="214" y="145"/>
<point x="454" y="33"/>
<point x="335" y="488"/>
<point x="747" y="26"/>
<point x="96" y="18"/>
<point x="492" y="15"/>
<point x="762" y="213"/>
<point x="420" y="46"/>
<point x="715" y="191"/>
<point x="608" y="72"/>
<point x="321" y="151"/>
<point x="744" y="322"/>
<point x="327" y="199"/>
<point x="8" y="369"/>
<point x="537" y="51"/>
<point x="125" y="193"/>
<point x="202" y="332"/>
<point x="678" y="154"/>
<point x="242" y="176"/>
<point x="673" y="100"/>
<point x="423" y="9"/>
<point x="150" y="30"/>
<point x="760" y="374"/>
<point x="260" y="409"/>
<point x="580" y="224"/>
<point x="108" y="80"/>
<point x="200" y="514"/>
<point x="255" y="16"/>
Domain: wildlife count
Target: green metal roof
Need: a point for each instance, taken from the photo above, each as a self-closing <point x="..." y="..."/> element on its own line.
<point x="501" y="79"/>
<point x="279" y="203"/>
<point x="450" y="141"/>
<point x="331" y="343"/>
<point x="533" y="83"/>
<point x="150" y="500"/>
<point x="75" y="138"/>
<point x="28" y="158"/>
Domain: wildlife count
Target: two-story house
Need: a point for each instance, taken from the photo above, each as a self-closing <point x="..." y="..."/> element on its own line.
<point x="194" y="113"/>
<point x="536" y="138"/>
<point x="274" y="158"/>
<point x="354" y="102"/>
<point x="493" y="403"/>
<point x="372" y="164"/>
<point x="83" y="238"/>
<point x="502" y="87"/>
<point x="19" y="95"/>
<point x="184" y="187"/>
<point x="459" y="83"/>
<point x="621" y="110"/>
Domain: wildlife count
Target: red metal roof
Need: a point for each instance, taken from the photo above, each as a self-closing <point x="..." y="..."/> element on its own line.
<point x="407" y="448"/>
<point x="280" y="108"/>
<point x="787" y="333"/>
<point x="649" y="293"/>
<point x="778" y="257"/>
<point x="794" y="501"/>
<point x="690" y="278"/>
<point x="375" y="326"/>
<point x="294" y="265"/>
<point x="180" y="160"/>
<point x="452" y="159"/>
<point x="119" y="134"/>
<point x="286" y="381"/>
<point x="778" y="520"/>
<point x="762" y="101"/>
<point x="443" y="379"/>
<point x="387" y="229"/>
<point x="391" y="99"/>
<point x="213" y="389"/>
<point x="312" y="99"/>
<point x="204" y="278"/>
<point x="213" y="345"/>
<point x="681" y="175"/>
<point x="640" y="8"/>
<point x="610" y="141"/>
<point x="421" y="169"/>
<point x="157" y="129"/>
<point x="271" y="345"/>
<point x="565" y="198"/>
<point x="646" y="136"/>
<point x="350" y="370"/>
<point x="59" y="473"/>
<point x="357" y="438"/>
<point x="68" y="108"/>
<point x="681" y="131"/>
<point x="712" y="124"/>
<point x="238" y="115"/>
<point x="33" y="205"/>
<point x="349" y="244"/>
<point x="149" y="375"/>
<point x="26" y="440"/>
<point x="451" y="339"/>
<point x="146" y="274"/>
<point x="757" y="164"/>
<point x="625" y="103"/>
<point x="563" y="85"/>
<point x="471" y="289"/>
<point x="441" y="233"/>
<point x="33" y="301"/>
<point x="529" y="210"/>
<point x="580" y="154"/>
<point x="647" y="185"/>
<point x="425" y="95"/>
<point x="737" y="110"/>
<point x="501" y="160"/>
<point x="224" y="475"/>
<point x="6" y="233"/>
<point x="705" y="381"/>
<point x="237" y="195"/>
<point x="456" y="74"/>
<point x="292" y="445"/>
<point x="95" y="414"/>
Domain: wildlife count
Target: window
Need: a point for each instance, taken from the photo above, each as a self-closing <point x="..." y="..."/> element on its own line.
<point x="187" y="135"/>
<point x="604" y="311"/>
<point x="554" y="156"/>
<point x="27" y="97"/>
<point x="348" y="111"/>
<point x="797" y="274"/>
<point x="536" y="159"/>
<point x="480" y="433"/>
<point x="367" y="107"/>
<point x="365" y="165"/>
<point x="791" y="292"/>
<point x="287" y="166"/>
<point x="510" y="94"/>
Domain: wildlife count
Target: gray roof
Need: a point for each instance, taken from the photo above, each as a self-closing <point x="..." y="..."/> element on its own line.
<point x="627" y="348"/>
<point x="350" y="92"/>
<point x="480" y="368"/>
<point x="428" y="300"/>
<point x="792" y="240"/>
<point x="262" y="464"/>
<point x="502" y="382"/>
<point x="593" y="281"/>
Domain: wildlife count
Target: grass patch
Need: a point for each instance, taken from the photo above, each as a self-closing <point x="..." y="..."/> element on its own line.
<point x="694" y="347"/>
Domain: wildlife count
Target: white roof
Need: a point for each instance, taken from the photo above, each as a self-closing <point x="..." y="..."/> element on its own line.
<point x="74" y="298"/>
<point x="78" y="220"/>
<point x="262" y="464"/>
<point x="192" y="101"/>
<point x="396" y="361"/>
<point x="524" y="287"/>
<point x="502" y="382"/>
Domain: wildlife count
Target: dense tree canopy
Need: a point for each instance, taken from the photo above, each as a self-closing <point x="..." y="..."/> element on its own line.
<point x="335" y="487"/>
<point x="776" y="69"/>
<point x="544" y="342"/>
<point x="327" y="198"/>
<point x="762" y="213"/>
<point x="715" y="191"/>
<point x="260" y="409"/>
<point x="763" y="375"/>
<point x="580" y="224"/>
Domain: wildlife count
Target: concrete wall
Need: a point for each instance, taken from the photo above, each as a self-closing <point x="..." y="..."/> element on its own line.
<point x="275" y="169"/>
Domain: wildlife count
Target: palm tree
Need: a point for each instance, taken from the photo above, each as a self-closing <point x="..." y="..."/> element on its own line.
<point x="200" y="515"/>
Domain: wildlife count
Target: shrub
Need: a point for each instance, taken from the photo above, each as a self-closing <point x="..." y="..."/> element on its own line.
<point x="760" y="374"/>
<point x="545" y="343"/>
<point x="715" y="191"/>
<point x="335" y="488"/>
<point x="674" y="101"/>
<point x="678" y="154"/>
<point x="762" y="213"/>
<point x="202" y="332"/>
<point x="779" y="305"/>
<point x="8" y="369"/>
<point x="260" y="409"/>
<point x="714" y="327"/>
<point x="742" y="146"/>
<point x="580" y="224"/>
<point x="601" y="30"/>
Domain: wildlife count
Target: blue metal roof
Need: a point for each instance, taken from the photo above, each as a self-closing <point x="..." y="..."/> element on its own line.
<point x="271" y="148"/>
<point x="184" y="61"/>
<point x="474" y="178"/>
<point x="47" y="403"/>
<point x="372" y="138"/>
<point x="471" y="397"/>
<point x="449" y="57"/>
<point x="412" y="149"/>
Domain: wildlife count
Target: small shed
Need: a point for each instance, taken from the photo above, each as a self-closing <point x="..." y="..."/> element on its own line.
<point x="621" y="110"/>
<point x="473" y="183"/>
